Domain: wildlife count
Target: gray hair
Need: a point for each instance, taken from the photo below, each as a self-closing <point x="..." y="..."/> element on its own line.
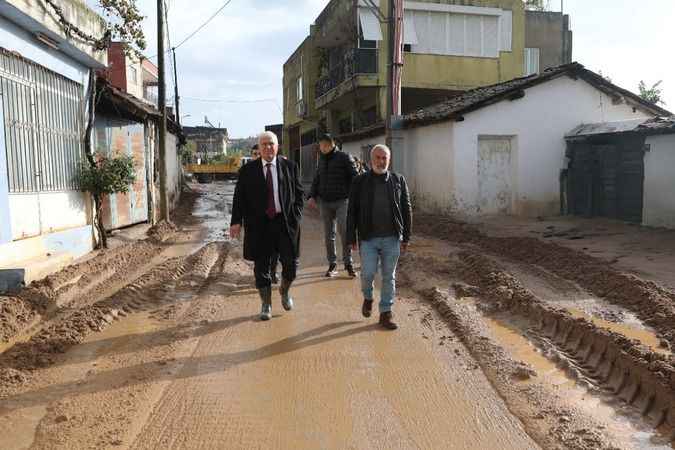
<point x="268" y="134"/>
<point x="382" y="147"/>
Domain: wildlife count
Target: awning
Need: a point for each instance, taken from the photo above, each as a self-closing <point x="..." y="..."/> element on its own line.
<point x="409" y="30"/>
<point x="370" y="25"/>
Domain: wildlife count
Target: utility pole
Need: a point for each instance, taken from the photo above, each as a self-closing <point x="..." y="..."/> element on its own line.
<point x="395" y="66"/>
<point x="163" y="191"/>
<point x="175" y="86"/>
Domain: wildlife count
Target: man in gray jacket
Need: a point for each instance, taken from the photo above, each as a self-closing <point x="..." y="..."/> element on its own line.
<point x="331" y="185"/>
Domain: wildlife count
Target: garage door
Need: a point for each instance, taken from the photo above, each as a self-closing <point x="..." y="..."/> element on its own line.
<point x="495" y="175"/>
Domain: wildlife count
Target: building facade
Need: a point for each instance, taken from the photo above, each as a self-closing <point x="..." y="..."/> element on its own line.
<point x="136" y="76"/>
<point x="548" y="41"/>
<point x="44" y="78"/>
<point x="206" y="143"/>
<point x="500" y="149"/>
<point x="336" y="80"/>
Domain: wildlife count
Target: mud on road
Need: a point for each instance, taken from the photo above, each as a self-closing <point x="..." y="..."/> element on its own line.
<point x="505" y="343"/>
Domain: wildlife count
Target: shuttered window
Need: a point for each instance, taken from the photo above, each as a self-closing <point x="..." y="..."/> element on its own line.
<point x="43" y="113"/>
<point x="442" y="33"/>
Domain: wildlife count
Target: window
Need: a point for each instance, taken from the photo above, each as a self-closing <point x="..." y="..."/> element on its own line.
<point x="133" y="75"/>
<point x="531" y="61"/>
<point x="370" y="25"/>
<point x="299" y="89"/>
<point x="458" y="34"/>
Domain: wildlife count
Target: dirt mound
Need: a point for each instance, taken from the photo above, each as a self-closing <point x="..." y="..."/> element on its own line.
<point x="15" y="315"/>
<point x="162" y="231"/>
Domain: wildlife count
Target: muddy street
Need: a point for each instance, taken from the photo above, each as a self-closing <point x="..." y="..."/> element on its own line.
<point x="156" y="344"/>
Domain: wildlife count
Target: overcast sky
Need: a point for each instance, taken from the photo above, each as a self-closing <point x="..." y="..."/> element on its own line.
<point x="239" y="56"/>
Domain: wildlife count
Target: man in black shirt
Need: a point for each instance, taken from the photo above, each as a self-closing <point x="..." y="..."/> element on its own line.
<point x="331" y="187"/>
<point x="380" y="221"/>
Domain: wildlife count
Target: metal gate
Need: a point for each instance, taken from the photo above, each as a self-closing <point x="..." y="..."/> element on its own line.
<point x="42" y="128"/>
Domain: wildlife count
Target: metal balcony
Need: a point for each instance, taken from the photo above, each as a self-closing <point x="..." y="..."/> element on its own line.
<point x="355" y="62"/>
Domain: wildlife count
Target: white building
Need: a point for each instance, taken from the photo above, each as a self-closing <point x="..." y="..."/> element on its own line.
<point x="43" y="83"/>
<point x="501" y="149"/>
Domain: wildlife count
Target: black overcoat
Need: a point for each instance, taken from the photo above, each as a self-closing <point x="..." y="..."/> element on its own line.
<point x="250" y="203"/>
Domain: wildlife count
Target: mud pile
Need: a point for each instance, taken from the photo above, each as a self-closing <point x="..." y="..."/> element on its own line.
<point x="605" y="360"/>
<point x="145" y="293"/>
<point x="654" y="304"/>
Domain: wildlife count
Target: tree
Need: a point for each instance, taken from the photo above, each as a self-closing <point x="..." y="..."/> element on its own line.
<point x="106" y="176"/>
<point x="653" y="94"/>
<point x="123" y="23"/>
<point x="537" y="5"/>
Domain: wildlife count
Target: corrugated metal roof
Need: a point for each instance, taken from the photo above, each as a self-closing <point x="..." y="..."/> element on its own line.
<point x="589" y="129"/>
<point x="657" y="125"/>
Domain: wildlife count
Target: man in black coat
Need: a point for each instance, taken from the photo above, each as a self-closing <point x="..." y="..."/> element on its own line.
<point x="268" y="202"/>
<point x="379" y="221"/>
<point x="334" y="177"/>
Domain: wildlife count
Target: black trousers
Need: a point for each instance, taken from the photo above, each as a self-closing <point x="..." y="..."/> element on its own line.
<point x="278" y="245"/>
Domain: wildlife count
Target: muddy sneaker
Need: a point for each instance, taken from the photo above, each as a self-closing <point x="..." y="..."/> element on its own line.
<point x="332" y="271"/>
<point x="367" y="308"/>
<point x="385" y="321"/>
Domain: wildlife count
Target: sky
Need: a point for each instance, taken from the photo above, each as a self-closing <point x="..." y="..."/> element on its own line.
<point x="232" y="68"/>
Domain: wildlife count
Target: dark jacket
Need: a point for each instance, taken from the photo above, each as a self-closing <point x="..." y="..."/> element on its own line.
<point x="359" y="212"/>
<point x="334" y="176"/>
<point x="250" y="203"/>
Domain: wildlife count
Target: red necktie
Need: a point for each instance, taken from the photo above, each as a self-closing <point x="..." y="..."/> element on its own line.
<point x="271" y="210"/>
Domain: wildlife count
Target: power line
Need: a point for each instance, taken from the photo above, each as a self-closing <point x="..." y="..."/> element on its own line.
<point x="191" y="35"/>
<point x="215" y="100"/>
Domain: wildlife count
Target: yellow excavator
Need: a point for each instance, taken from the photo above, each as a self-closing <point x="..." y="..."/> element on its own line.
<point x="222" y="170"/>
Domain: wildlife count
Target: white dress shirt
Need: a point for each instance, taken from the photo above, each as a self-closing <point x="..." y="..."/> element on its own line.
<point x="275" y="180"/>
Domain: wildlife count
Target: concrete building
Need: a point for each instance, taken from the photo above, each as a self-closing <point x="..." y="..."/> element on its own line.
<point x="336" y="80"/>
<point x="44" y="77"/>
<point x="206" y="143"/>
<point x="136" y="76"/>
<point x="623" y="170"/>
<point x="501" y="149"/>
<point x="548" y="41"/>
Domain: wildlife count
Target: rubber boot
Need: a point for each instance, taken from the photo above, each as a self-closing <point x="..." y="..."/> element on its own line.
<point x="286" y="299"/>
<point x="266" y="300"/>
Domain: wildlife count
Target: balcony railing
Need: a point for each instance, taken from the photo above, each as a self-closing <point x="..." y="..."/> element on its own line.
<point x="355" y="61"/>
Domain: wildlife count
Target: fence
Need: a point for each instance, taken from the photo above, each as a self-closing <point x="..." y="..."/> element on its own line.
<point x="43" y="123"/>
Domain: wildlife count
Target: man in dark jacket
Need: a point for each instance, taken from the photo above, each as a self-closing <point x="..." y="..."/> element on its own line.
<point x="268" y="201"/>
<point x="331" y="185"/>
<point x="380" y="221"/>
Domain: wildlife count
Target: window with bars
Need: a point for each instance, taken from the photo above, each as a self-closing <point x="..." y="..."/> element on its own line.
<point x="42" y="126"/>
<point x="531" y="61"/>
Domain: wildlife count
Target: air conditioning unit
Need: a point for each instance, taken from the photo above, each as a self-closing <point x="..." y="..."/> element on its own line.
<point x="301" y="109"/>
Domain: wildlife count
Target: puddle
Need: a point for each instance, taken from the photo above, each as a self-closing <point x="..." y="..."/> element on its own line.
<point x="631" y="327"/>
<point x="213" y="210"/>
<point x="621" y="422"/>
<point x="523" y="350"/>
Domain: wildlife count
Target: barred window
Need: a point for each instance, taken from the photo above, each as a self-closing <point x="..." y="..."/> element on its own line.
<point x="43" y="123"/>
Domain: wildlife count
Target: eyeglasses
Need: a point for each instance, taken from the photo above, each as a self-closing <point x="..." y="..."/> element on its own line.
<point x="268" y="144"/>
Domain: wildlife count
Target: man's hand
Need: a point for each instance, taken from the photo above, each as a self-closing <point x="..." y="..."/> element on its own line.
<point x="312" y="203"/>
<point x="404" y="247"/>
<point x="235" y="231"/>
<point x="355" y="246"/>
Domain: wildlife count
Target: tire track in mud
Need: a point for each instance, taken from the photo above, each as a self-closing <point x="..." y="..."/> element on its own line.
<point x="150" y="291"/>
<point x="651" y="302"/>
<point x="606" y="361"/>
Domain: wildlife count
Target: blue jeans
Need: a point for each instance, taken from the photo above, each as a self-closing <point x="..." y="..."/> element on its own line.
<point x="386" y="252"/>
